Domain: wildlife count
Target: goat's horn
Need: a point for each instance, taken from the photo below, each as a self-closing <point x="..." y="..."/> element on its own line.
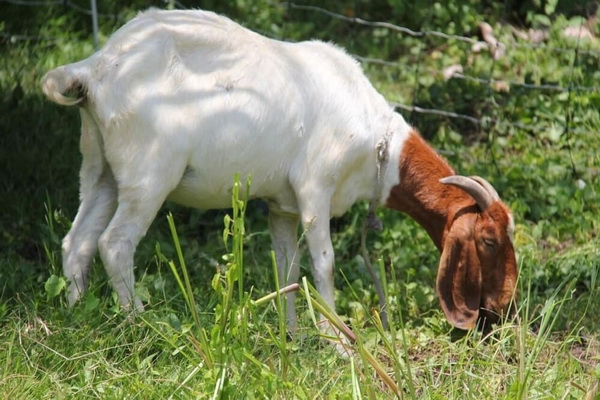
<point x="488" y="186"/>
<point x="474" y="188"/>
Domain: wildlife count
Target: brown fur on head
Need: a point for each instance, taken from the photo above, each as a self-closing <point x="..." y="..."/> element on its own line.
<point x="478" y="272"/>
<point x="471" y="227"/>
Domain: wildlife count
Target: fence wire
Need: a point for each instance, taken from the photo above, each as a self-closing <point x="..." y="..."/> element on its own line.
<point x="417" y="69"/>
<point x="489" y="81"/>
<point x="402" y="29"/>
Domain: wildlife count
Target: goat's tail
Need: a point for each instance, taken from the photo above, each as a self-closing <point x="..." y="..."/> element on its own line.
<point x="64" y="86"/>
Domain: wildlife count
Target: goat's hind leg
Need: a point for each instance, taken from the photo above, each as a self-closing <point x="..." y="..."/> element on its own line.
<point x="98" y="202"/>
<point x="81" y="243"/>
<point x="142" y="189"/>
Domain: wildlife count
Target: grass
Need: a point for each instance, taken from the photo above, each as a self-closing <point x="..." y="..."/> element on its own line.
<point x="236" y="348"/>
<point x="214" y="327"/>
<point x="52" y="352"/>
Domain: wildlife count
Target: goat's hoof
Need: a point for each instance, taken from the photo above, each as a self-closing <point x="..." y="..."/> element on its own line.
<point x="134" y="308"/>
<point x="334" y="337"/>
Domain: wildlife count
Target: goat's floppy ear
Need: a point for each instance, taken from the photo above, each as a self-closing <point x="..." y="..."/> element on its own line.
<point x="459" y="282"/>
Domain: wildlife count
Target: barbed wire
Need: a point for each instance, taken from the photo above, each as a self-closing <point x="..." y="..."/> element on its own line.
<point x="459" y="75"/>
<point x="379" y="24"/>
<point x="479" y="122"/>
<point x="413" y="33"/>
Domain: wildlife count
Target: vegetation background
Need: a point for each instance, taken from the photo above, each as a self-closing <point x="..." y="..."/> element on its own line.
<point x="537" y="143"/>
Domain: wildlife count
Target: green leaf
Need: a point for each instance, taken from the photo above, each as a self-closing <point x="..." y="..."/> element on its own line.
<point x="54" y="286"/>
<point x="554" y="133"/>
<point x="91" y="302"/>
<point x="174" y="322"/>
<point x="216" y="282"/>
<point x="141" y="290"/>
<point x="550" y="6"/>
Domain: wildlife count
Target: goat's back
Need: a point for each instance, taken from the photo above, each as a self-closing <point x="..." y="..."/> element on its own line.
<point x="194" y="53"/>
<point x="228" y="100"/>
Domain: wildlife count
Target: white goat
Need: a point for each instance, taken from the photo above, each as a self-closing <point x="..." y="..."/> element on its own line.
<point x="176" y="102"/>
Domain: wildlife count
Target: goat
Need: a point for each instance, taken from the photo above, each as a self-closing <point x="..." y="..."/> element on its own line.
<point x="176" y="102"/>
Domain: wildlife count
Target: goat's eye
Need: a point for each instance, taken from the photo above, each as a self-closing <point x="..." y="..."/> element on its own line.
<point x="489" y="242"/>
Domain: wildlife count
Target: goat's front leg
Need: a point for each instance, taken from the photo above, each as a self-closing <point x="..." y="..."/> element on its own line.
<point x="315" y="214"/>
<point x="314" y="209"/>
<point x="322" y="256"/>
<point x="284" y="236"/>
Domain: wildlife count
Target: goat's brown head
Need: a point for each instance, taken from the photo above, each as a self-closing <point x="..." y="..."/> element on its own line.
<point x="478" y="271"/>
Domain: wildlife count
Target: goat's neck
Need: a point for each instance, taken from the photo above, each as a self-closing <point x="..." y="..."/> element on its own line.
<point x="420" y="194"/>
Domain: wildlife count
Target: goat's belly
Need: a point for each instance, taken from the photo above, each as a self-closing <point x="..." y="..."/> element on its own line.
<point x="204" y="193"/>
<point x="192" y="197"/>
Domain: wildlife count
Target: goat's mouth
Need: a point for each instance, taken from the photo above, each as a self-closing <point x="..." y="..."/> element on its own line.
<point x="488" y="317"/>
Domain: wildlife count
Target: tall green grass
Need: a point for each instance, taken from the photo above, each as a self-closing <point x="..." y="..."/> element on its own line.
<point x="243" y="347"/>
<point x="230" y="341"/>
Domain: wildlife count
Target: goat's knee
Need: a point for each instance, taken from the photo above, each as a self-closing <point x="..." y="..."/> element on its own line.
<point x="315" y="219"/>
<point x="322" y="257"/>
<point x="323" y="274"/>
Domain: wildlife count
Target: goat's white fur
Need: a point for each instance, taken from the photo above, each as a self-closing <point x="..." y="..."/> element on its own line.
<point x="177" y="102"/>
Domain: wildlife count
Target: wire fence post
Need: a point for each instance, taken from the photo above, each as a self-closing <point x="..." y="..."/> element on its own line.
<point x="569" y="111"/>
<point x="95" y="23"/>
